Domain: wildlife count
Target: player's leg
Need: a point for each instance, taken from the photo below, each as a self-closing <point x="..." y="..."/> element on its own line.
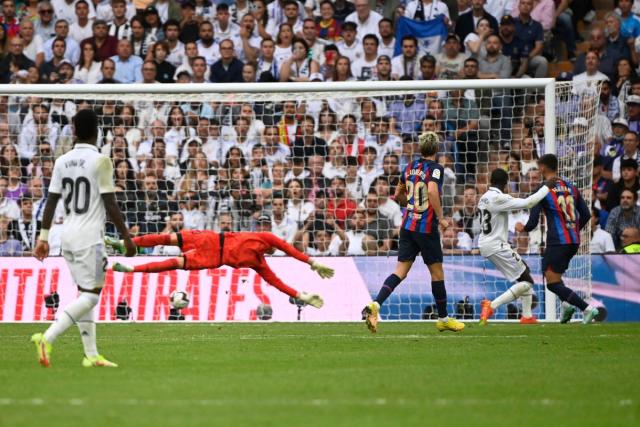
<point x="407" y="251"/>
<point x="145" y="241"/>
<point x="431" y="249"/>
<point x="554" y="263"/>
<point x="510" y="264"/>
<point x="152" y="267"/>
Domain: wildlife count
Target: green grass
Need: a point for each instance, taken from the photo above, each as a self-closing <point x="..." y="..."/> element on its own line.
<point x="327" y="375"/>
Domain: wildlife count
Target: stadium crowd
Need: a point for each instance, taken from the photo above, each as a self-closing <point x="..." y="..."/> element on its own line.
<point x="320" y="173"/>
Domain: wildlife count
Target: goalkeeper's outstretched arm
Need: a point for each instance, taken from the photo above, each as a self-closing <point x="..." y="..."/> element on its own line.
<point x="276" y="242"/>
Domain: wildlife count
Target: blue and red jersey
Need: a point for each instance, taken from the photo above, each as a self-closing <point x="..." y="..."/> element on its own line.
<point x="566" y="213"/>
<point x="419" y="215"/>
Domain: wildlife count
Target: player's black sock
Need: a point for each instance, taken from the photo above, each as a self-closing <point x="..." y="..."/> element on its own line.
<point x="389" y="285"/>
<point x="440" y="295"/>
<point x="566" y="294"/>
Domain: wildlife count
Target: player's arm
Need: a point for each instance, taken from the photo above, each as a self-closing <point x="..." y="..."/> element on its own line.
<point x="509" y="203"/>
<point x="401" y="194"/>
<point x="534" y="218"/>
<point x="42" y="246"/>
<point x="278" y="243"/>
<point x="107" y="192"/>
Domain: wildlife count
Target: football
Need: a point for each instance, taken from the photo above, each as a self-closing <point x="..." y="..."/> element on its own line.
<point x="179" y="299"/>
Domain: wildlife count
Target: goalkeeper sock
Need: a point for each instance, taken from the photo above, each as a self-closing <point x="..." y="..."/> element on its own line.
<point x="440" y="296"/>
<point x="511" y="294"/>
<point x="151" y="240"/>
<point x="387" y="289"/>
<point x="87" y="328"/>
<point x="155" y="267"/>
<point x="74" y="311"/>
<point x="567" y="295"/>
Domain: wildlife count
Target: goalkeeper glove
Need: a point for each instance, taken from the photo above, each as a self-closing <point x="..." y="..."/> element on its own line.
<point x="322" y="270"/>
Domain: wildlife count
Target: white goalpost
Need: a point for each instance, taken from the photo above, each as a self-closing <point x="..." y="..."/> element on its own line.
<point x="315" y="163"/>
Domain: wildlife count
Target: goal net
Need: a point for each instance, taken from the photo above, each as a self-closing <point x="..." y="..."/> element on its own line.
<point x="317" y="164"/>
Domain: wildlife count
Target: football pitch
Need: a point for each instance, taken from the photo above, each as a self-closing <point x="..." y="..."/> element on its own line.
<point x="336" y="374"/>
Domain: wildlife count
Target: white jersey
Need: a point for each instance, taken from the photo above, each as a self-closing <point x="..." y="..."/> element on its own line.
<point x="81" y="176"/>
<point x="494" y="208"/>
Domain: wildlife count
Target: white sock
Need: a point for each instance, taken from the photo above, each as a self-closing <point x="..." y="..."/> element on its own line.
<point x="444" y="319"/>
<point x="589" y="307"/>
<point x="74" y="311"/>
<point x="527" y="301"/>
<point x="87" y="328"/>
<point x="511" y="294"/>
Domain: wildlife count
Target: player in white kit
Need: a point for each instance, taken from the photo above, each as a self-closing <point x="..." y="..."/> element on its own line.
<point x="83" y="178"/>
<point x="494" y="208"/>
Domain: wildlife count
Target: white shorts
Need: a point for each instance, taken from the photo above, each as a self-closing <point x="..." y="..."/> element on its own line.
<point x="509" y="263"/>
<point x="87" y="266"/>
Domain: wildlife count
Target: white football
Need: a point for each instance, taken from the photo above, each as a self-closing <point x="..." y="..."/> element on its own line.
<point x="179" y="299"/>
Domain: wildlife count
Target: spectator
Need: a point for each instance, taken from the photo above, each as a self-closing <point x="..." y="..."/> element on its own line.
<point x="298" y="209"/>
<point x="591" y="77"/>
<point x="223" y="28"/>
<point x="383" y="69"/>
<point x="228" y="69"/>
<point x="141" y="40"/>
<point x="407" y="114"/>
<point x="153" y="24"/>
<point x="152" y="207"/>
<point x="164" y="69"/>
<point x="468" y="21"/>
<point x="630" y="241"/>
<point x="386" y="38"/>
<point x="81" y="29"/>
<point x="387" y="207"/>
<point x="630" y="150"/>
<point x="327" y="25"/>
<point x="340" y="206"/>
<point x="609" y="106"/>
<point x="564" y="27"/>
<point x="450" y="60"/>
<point x="542" y="11"/>
<point x="299" y="67"/>
<point x="378" y="227"/>
<point x="343" y="8"/>
<point x="27" y="227"/>
<point x="119" y="26"/>
<point x="531" y="34"/>
<point x="9" y="20"/>
<point x="189" y="24"/>
<point x="176" y="47"/>
<point x="48" y="70"/>
<point x="626" y="215"/>
<point x="128" y="66"/>
<point x="33" y="47"/>
<point x="365" y="67"/>
<point x="468" y="218"/>
<point x="106" y="45"/>
<point x="307" y="144"/>
<point x="369" y="170"/>
<point x="475" y="40"/>
<point x="366" y="19"/>
<point x="8" y="207"/>
<point x="15" y="57"/>
<point x="88" y="68"/>
<point x="513" y="47"/>
<point x="282" y="225"/>
<point x="493" y="64"/>
<point x="601" y="241"/>
<point x="350" y="46"/>
<point x="357" y="241"/>
<point x="407" y="63"/>
<point x="9" y="246"/>
<point x="108" y="71"/>
<point x="462" y="116"/>
<point x="16" y="189"/>
<point x="615" y="41"/>
<point x="425" y="10"/>
<point x="608" y="56"/>
<point x="44" y="24"/>
<point x="630" y="23"/>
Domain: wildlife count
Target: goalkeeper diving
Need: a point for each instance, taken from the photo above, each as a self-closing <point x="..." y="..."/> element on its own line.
<point x="203" y="249"/>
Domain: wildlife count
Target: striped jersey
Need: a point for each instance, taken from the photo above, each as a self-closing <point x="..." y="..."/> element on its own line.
<point x="566" y="213"/>
<point x="419" y="215"/>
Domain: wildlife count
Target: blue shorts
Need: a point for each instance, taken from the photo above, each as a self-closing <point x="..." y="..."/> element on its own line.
<point x="413" y="243"/>
<point x="557" y="258"/>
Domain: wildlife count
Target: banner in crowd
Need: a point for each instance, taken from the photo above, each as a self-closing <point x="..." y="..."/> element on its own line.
<point x="430" y="34"/>
<point x="222" y="294"/>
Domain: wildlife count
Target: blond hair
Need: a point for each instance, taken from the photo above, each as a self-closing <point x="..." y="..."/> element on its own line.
<point x="428" y="143"/>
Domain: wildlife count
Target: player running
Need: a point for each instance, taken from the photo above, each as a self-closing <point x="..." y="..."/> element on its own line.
<point x="494" y="206"/>
<point x="85" y="178"/>
<point x="202" y="249"/>
<point x="419" y="190"/>
<point x="566" y="213"/>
